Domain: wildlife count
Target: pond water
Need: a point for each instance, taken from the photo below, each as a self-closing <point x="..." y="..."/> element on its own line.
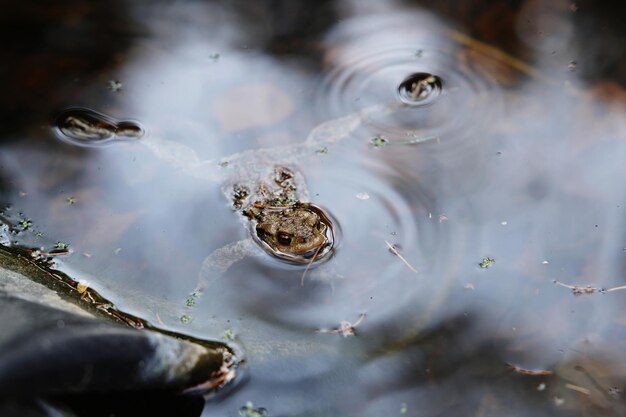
<point x="472" y="163"/>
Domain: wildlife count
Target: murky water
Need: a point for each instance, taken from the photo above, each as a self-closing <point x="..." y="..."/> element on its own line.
<point x="482" y="167"/>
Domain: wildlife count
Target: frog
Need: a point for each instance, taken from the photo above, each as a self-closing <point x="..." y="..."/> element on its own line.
<point x="282" y="222"/>
<point x="270" y="196"/>
<point x="275" y="207"/>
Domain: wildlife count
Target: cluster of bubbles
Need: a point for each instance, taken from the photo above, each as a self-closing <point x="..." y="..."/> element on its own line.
<point x="85" y="127"/>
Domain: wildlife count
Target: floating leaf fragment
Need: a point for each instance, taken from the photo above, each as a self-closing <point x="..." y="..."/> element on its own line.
<point x="345" y="327"/>
<point x="114" y="85"/>
<point x="25" y="224"/>
<point x="378" y="141"/>
<point x="248" y="410"/>
<point x="228" y="335"/>
<point x="486" y="263"/>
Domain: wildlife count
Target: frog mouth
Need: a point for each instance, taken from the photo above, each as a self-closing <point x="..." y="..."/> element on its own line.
<point x="315" y="254"/>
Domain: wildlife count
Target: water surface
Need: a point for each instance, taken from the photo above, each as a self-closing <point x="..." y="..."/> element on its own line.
<point x="513" y="153"/>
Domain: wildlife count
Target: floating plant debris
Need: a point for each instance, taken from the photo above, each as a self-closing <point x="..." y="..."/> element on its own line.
<point x="588" y="289"/>
<point x="322" y="150"/>
<point x="85" y="127"/>
<point x="572" y="66"/>
<point x="345" y="327"/>
<point x="533" y="372"/>
<point x="248" y="410"/>
<point x="486" y="263"/>
<point x="114" y="85"/>
<point x="378" y="141"/>
<point x="394" y="249"/>
<point x="419" y="88"/>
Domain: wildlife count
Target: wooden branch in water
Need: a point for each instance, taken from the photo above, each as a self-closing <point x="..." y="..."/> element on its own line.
<point x="588" y="289"/>
<point x="395" y="252"/>
<point x="345" y="327"/>
<point x="524" y="371"/>
<point x="309" y="264"/>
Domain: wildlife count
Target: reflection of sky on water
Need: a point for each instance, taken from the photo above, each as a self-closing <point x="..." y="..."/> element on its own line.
<point x="530" y="173"/>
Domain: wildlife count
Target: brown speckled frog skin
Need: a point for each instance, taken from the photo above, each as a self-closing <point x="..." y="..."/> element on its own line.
<point x="285" y="226"/>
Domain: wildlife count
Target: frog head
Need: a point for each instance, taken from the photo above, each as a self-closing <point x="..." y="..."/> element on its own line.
<point x="298" y="233"/>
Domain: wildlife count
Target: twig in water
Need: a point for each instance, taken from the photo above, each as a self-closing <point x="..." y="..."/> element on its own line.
<point x="524" y="371"/>
<point x="309" y="264"/>
<point x="395" y="252"/>
<point x="577" y="289"/>
<point x="345" y="327"/>
<point x="580" y="290"/>
<point x="578" y="388"/>
<point x="158" y="318"/>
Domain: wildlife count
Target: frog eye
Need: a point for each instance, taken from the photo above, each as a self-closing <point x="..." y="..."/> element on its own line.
<point x="284" y="239"/>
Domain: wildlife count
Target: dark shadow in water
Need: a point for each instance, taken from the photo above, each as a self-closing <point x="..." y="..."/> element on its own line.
<point x="52" y="49"/>
<point x="454" y="371"/>
<point x="600" y="38"/>
<point x="598" y="29"/>
<point x="284" y="27"/>
<point x="134" y="404"/>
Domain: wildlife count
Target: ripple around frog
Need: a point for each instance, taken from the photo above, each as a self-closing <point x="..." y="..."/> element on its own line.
<point x="315" y="255"/>
<point x="85" y="127"/>
<point x="364" y="275"/>
<point x="460" y="101"/>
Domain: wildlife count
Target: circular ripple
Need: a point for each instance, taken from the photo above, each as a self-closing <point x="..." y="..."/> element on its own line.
<point x="441" y="90"/>
<point x="419" y="89"/>
<point x="86" y="127"/>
